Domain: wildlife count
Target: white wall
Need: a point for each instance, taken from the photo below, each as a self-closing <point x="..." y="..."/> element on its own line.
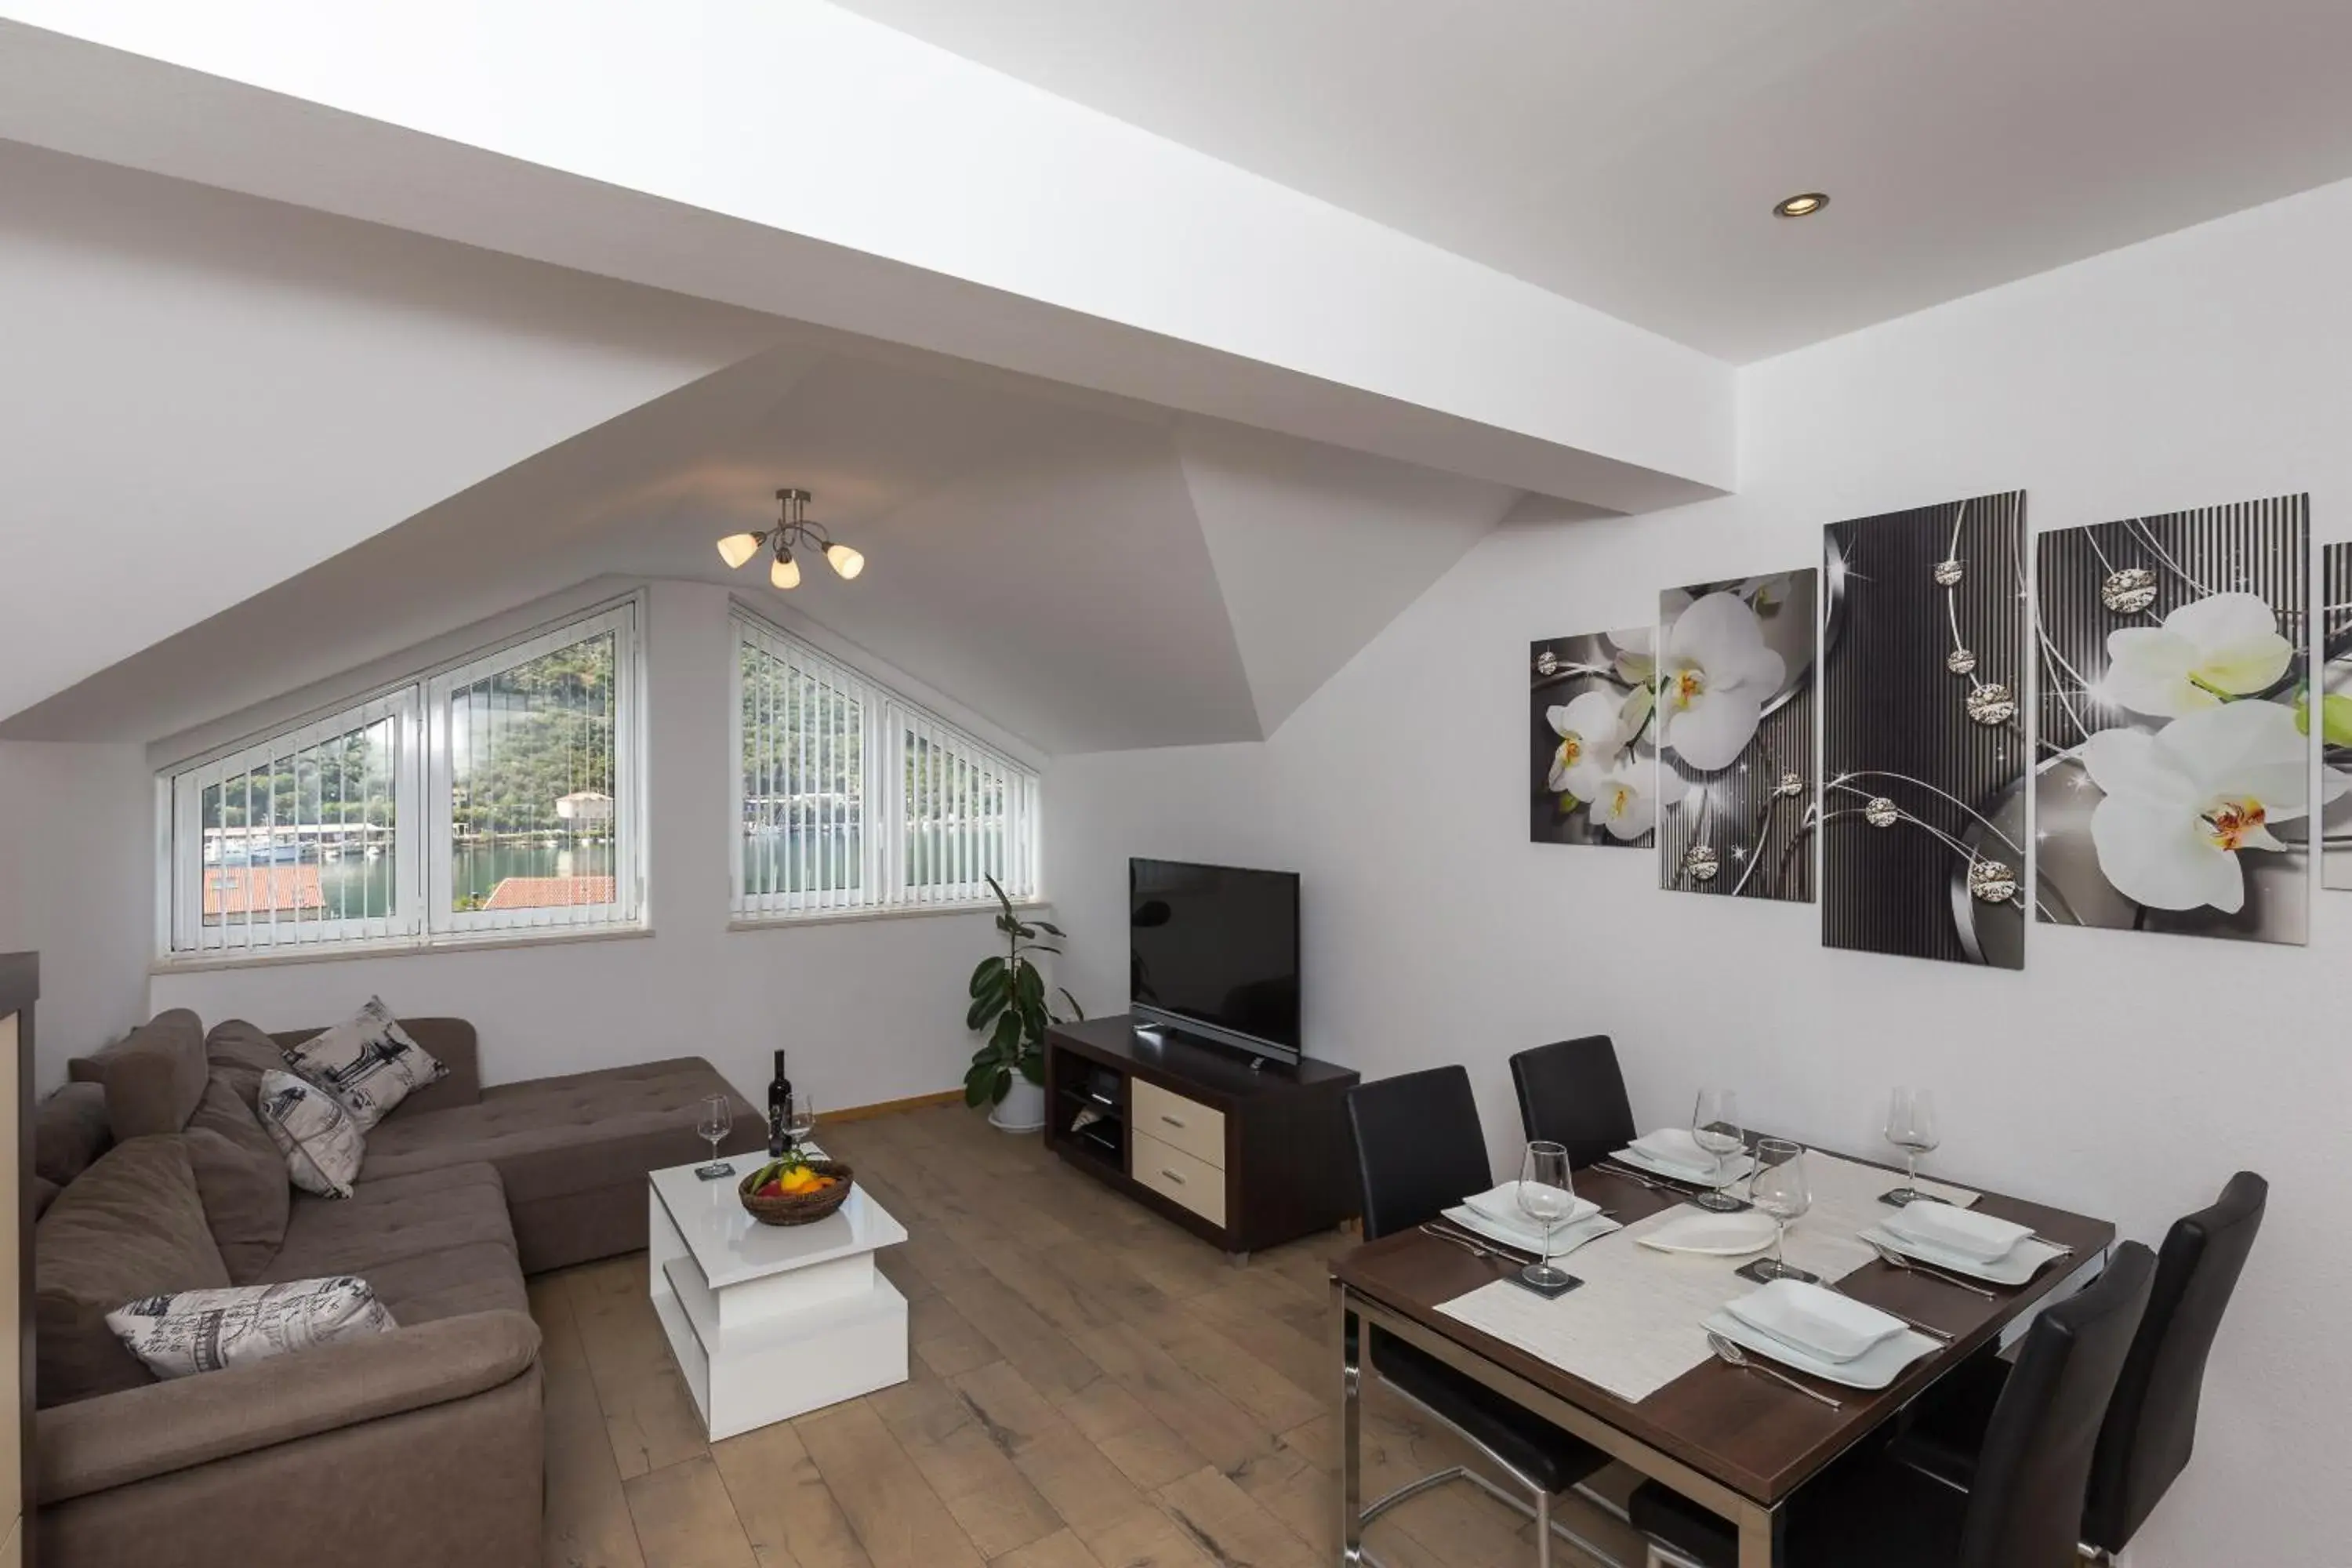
<point x="871" y="1010"/>
<point x="2120" y="1074"/>
<point x="77" y="880"/>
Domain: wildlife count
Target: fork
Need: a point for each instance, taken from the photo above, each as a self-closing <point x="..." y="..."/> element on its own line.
<point x="1895" y="1259"/>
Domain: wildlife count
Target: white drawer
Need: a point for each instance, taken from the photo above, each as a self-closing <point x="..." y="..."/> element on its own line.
<point x="1174" y="1174"/>
<point x="1183" y="1124"/>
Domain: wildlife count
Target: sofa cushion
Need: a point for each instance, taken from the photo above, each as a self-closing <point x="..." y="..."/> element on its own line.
<point x="241" y="1053"/>
<point x="70" y="1130"/>
<point x="152" y="1077"/>
<point x="311" y="1129"/>
<point x="398" y="1217"/>
<point x="483" y="1277"/>
<point x="367" y="1062"/>
<point x="190" y="1331"/>
<point x="242" y="1178"/>
<point x="45" y="1193"/>
<point x="555" y="1136"/>
<point x="133" y="1226"/>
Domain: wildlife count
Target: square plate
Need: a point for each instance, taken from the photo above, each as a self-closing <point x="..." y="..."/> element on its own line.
<point x="1501" y="1204"/>
<point x="1735" y="1169"/>
<point x="1564" y="1240"/>
<point x="1821" y="1323"/>
<point x="1958" y="1230"/>
<point x="2023" y="1262"/>
<point x="1876" y="1368"/>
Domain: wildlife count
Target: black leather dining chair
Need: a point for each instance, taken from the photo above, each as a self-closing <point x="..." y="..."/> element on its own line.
<point x="2026" y="1505"/>
<point x="1419" y="1150"/>
<point x="2151" y="1423"/>
<point x="1571" y="1092"/>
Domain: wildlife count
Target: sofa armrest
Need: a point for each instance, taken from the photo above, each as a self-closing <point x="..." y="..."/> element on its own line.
<point x="451" y="1042"/>
<point x="117" y="1438"/>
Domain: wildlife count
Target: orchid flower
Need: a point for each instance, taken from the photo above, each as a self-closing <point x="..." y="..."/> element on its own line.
<point x="1715" y="677"/>
<point x="1633" y="793"/>
<point x="1591" y="734"/>
<point x="2205" y="653"/>
<point x="2183" y="804"/>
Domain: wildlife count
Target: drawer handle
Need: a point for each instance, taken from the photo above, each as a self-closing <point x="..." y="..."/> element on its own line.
<point x="1171" y="1120"/>
<point x="1171" y="1175"/>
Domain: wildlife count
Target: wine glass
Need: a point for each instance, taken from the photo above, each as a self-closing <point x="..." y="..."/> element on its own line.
<point x="802" y="1119"/>
<point x="1548" y="1197"/>
<point x="1782" y="1189"/>
<point x="1911" y="1127"/>
<point x="1715" y="1125"/>
<point x="714" y="1118"/>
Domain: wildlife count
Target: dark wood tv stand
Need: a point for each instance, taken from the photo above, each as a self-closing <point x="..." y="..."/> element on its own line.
<point x="1245" y="1156"/>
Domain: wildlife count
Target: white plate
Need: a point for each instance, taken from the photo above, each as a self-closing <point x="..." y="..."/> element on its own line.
<point x="1564" y="1240"/>
<point x="1713" y="1235"/>
<point x="1874" y="1369"/>
<point x="1963" y="1231"/>
<point x="2023" y="1262"/>
<point x="1733" y="1169"/>
<point x="1501" y="1204"/>
<point x="1821" y="1323"/>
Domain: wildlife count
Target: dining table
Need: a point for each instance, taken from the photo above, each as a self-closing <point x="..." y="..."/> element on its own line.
<point x="1735" y="1443"/>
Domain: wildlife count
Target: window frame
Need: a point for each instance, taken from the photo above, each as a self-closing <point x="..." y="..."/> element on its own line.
<point x="422" y="916"/>
<point x="887" y="717"/>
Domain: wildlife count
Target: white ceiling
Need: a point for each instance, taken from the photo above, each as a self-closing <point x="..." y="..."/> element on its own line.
<point x="1627" y="155"/>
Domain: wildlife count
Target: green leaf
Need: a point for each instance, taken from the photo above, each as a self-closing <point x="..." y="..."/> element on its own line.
<point x="1033" y="1068"/>
<point x="1028" y="933"/>
<point x="1000" y="1086"/>
<point x="1077" y="1014"/>
<point x="1031" y="985"/>
<point x="2335" y="719"/>
<point x="1007" y="1037"/>
<point x="999" y="891"/>
<point x="988" y="966"/>
<point x="980" y="1013"/>
<point x="1049" y="928"/>
<point x="977" y="1081"/>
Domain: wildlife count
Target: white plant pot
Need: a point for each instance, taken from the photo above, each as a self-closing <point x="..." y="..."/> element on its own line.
<point x="1023" y="1109"/>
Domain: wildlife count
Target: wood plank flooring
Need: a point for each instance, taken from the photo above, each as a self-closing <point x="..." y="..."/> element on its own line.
<point x="1090" y="1388"/>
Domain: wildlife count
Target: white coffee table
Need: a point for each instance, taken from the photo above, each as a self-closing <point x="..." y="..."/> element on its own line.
<point x="771" y="1321"/>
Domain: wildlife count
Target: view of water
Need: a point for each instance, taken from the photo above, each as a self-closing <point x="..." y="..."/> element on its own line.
<point x="356" y="888"/>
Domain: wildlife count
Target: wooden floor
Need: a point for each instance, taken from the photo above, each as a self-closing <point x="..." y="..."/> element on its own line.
<point x="1090" y="1388"/>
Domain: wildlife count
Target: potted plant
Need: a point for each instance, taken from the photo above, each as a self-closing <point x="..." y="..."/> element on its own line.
<point x="1009" y="1004"/>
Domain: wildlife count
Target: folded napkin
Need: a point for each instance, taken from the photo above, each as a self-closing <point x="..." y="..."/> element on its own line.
<point x="1675" y="1149"/>
<point x="1500" y="1205"/>
<point x="1821" y="1323"/>
<point x="1961" y="1231"/>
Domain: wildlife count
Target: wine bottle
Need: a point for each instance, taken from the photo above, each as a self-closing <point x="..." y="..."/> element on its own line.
<point x="780" y="1110"/>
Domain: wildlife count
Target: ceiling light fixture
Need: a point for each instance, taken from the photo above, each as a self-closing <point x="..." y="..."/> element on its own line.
<point x="792" y="528"/>
<point x="1804" y="205"/>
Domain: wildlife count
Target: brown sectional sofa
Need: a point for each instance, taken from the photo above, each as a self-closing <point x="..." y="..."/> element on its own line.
<point x="420" y="1446"/>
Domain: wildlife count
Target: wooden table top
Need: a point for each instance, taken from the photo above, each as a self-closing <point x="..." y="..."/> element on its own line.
<point x="1744" y="1431"/>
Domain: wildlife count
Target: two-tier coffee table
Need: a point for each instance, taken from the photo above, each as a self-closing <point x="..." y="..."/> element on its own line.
<point x="771" y="1321"/>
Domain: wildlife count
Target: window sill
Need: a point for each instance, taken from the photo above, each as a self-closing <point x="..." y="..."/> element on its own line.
<point x="860" y="917"/>
<point x="350" y="953"/>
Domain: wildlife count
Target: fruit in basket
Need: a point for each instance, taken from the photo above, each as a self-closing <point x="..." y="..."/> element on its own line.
<point x="791" y="1176"/>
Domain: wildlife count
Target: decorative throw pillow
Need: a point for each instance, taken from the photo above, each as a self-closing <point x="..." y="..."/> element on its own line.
<point x="320" y="1141"/>
<point x="205" y="1330"/>
<point x="367" y="1062"/>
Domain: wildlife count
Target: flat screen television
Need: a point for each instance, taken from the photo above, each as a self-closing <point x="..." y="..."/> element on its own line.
<point x="1213" y="951"/>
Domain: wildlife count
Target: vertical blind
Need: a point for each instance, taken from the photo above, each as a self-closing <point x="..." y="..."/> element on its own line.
<point x="854" y="798"/>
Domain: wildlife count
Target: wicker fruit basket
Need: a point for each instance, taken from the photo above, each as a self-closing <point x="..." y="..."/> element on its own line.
<point x="798" y="1209"/>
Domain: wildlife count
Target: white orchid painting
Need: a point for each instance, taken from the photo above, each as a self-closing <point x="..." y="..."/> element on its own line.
<point x="1735" y="734"/>
<point x="1593" y="707"/>
<point x="2174" y="787"/>
<point x="2336" y="709"/>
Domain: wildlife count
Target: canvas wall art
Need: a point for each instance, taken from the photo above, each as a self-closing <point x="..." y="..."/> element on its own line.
<point x="1923" y="732"/>
<point x="1735" y="730"/>
<point x="2172" y="788"/>
<point x="1593" y="750"/>
<point x="2336" y="707"/>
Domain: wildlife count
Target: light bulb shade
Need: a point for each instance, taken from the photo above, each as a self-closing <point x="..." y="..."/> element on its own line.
<point x="845" y="560"/>
<point x="738" y="548"/>
<point x="785" y="572"/>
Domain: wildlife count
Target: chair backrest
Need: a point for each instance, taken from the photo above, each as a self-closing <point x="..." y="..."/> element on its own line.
<point x="1418" y="1147"/>
<point x="2027" y="1504"/>
<point x="1573" y="1093"/>
<point x="2152" y="1421"/>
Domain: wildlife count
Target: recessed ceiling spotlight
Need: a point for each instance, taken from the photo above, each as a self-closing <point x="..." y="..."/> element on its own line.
<point x="1804" y="205"/>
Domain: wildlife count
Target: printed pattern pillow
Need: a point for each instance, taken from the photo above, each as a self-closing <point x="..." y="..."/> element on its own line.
<point x="205" y="1330"/>
<point x="367" y="1062"/>
<point x="320" y="1141"/>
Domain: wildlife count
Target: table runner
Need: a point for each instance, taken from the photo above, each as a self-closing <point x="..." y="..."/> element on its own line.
<point x="1633" y="1326"/>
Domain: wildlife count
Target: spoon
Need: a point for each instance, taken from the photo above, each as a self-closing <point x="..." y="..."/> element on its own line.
<point x="1895" y="1259"/>
<point x="1732" y="1356"/>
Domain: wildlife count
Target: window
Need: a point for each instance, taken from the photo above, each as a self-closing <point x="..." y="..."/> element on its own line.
<point x="499" y="796"/>
<point x="854" y="798"/>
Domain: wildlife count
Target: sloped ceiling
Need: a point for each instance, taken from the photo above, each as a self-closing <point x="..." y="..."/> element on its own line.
<point x="204" y="393"/>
